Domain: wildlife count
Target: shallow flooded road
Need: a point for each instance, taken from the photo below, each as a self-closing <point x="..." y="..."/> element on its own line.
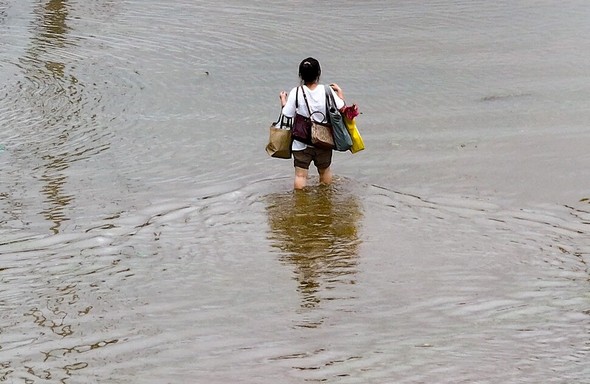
<point x="146" y="237"/>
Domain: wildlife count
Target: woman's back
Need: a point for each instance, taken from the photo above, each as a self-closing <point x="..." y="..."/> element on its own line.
<point x="316" y="98"/>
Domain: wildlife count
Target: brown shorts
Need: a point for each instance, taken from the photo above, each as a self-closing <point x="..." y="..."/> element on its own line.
<point x="322" y="158"/>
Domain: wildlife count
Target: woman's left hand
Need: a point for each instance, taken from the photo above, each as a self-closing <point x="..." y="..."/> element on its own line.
<point x="338" y="90"/>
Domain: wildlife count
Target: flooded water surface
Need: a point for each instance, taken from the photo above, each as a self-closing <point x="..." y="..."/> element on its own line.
<point x="146" y="236"/>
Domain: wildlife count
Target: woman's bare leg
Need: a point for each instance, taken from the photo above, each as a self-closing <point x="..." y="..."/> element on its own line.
<point x="325" y="175"/>
<point x="300" y="178"/>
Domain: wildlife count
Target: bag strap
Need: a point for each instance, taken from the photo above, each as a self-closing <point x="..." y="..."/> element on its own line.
<point x="306" y="103"/>
<point x="286" y="122"/>
<point x="279" y="119"/>
<point x="283" y="121"/>
<point x="330" y="102"/>
<point x="324" y="118"/>
<point x="329" y="98"/>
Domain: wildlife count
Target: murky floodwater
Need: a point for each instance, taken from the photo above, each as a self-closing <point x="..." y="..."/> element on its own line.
<point x="146" y="237"/>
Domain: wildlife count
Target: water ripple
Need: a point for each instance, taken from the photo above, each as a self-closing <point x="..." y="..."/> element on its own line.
<point x="138" y="230"/>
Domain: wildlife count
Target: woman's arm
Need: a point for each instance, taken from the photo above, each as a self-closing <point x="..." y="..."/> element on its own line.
<point x="338" y="90"/>
<point x="283" y="98"/>
<point x="288" y="102"/>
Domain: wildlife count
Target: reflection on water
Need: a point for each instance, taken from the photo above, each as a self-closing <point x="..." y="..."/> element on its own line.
<point x="52" y="33"/>
<point x="54" y="303"/>
<point x="53" y="191"/>
<point x="165" y="262"/>
<point x="317" y="232"/>
<point x="53" y="99"/>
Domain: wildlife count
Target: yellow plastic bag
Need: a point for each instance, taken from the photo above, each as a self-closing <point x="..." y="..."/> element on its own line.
<point x="357" y="140"/>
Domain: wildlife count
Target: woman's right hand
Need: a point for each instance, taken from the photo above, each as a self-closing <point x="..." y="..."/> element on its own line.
<point x="283" y="98"/>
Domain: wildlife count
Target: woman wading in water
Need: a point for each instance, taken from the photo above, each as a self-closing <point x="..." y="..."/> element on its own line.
<point x="315" y="94"/>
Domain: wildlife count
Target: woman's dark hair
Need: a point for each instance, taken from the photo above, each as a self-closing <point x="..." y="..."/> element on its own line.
<point x="309" y="70"/>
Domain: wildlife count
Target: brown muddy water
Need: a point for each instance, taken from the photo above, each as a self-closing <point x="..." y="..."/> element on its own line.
<point x="146" y="237"/>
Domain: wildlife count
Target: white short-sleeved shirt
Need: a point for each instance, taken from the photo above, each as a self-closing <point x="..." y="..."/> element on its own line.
<point x="317" y="102"/>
